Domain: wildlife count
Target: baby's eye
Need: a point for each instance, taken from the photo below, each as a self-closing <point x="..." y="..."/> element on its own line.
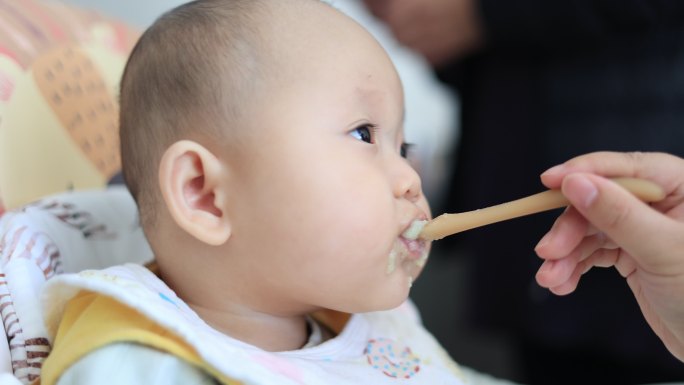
<point x="365" y="132"/>
<point x="406" y="149"/>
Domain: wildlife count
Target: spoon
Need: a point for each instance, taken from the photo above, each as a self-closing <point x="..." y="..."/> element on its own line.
<point x="448" y="224"/>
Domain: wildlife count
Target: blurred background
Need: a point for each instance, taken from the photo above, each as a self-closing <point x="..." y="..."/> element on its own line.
<point x="540" y="82"/>
<point x="136" y="13"/>
<point x="496" y="92"/>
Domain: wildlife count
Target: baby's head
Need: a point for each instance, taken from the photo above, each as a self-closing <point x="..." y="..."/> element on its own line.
<point x="263" y="142"/>
<point x="194" y="74"/>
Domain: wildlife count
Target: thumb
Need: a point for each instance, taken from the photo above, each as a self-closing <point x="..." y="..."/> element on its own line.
<point x="631" y="224"/>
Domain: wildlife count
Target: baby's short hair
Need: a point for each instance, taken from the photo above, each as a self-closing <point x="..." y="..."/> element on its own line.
<point x="187" y="78"/>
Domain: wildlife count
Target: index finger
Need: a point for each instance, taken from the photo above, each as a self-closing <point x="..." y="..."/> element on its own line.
<point x="664" y="169"/>
<point x="646" y="234"/>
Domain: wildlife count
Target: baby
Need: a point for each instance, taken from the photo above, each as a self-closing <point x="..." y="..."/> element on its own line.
<point x="262" y="141"/>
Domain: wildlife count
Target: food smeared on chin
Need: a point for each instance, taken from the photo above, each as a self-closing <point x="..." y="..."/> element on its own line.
<point x="408" y="248"/>
<point x="391" y="261"/>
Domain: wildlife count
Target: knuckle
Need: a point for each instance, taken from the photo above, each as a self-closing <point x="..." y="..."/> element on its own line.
<point x="635" y="159"/>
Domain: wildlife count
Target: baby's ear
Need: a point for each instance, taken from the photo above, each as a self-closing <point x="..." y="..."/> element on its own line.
<point x="190" y="178"/>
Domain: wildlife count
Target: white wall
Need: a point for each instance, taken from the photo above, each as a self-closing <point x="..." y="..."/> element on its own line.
<point x="139" y="13"/>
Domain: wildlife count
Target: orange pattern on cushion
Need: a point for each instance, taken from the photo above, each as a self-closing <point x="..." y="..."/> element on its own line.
<point x="59" y="72"/>
<point x="77" y="93"/>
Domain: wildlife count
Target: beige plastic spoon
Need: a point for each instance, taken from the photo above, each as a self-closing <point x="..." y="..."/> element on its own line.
<point x="448" y="224"/>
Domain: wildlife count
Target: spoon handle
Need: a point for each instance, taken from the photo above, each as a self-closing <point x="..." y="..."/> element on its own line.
<point x="448" y="224"/>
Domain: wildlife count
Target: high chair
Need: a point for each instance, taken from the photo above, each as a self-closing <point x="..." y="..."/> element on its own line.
<point x="60" y="67"/>
<point x="63" y="233"/>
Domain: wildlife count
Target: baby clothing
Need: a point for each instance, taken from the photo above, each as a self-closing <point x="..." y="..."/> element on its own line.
<point x="95" y="311"/>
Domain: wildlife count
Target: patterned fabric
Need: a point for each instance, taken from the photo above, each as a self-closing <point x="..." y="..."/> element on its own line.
<point x="129" y="303"/>
<point x="62" y="233"/>
<point x="59" y="71"/>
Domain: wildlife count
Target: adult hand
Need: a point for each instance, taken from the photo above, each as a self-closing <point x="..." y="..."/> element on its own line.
<point x="607" y="226"/>
<point x="438" y="29"/>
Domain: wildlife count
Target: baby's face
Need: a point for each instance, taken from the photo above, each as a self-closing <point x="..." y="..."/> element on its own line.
<point x="325" y="191"/>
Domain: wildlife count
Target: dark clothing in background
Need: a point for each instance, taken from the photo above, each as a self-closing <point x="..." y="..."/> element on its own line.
<point x="558" y="79"/>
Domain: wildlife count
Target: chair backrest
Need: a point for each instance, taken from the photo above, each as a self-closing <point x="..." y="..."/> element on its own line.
<point x="60" y="68"/>
<point x="68" y="232"/>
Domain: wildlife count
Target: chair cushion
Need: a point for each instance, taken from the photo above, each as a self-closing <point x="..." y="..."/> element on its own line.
<point x="67" y="232"/>
<point x="59" y="72"/>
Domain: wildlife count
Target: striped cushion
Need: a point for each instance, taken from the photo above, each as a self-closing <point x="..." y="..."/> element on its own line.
<point x="62" y="233"/>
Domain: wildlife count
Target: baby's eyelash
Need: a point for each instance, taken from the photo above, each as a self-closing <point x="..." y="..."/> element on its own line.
<point x="365" y="132"/>
<point x="373" y="129"/>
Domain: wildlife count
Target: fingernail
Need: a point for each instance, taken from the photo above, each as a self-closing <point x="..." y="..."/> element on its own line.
<point x="553" y="170"/>
<point x="580" y="189"/>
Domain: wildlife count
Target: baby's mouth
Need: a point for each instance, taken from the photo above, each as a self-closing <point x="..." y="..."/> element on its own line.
<point x="415" y="249"/>
<point x="407" y="249"/>
<point x="413" y="231"/>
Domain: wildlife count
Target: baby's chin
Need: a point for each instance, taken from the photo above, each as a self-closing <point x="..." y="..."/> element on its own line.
<point x="404" y="264"/>
<point x="399" y="296"/>
<point x="386" y="304"/>
<point x="391" y="288"/>
<point x="393" y="293"/>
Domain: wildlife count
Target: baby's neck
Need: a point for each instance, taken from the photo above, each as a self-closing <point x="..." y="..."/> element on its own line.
<point x="259" y="319"/>
<point x="266" y="331"/>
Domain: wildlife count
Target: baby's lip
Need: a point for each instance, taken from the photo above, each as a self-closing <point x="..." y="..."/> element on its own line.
<point x="415" y="248"/>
